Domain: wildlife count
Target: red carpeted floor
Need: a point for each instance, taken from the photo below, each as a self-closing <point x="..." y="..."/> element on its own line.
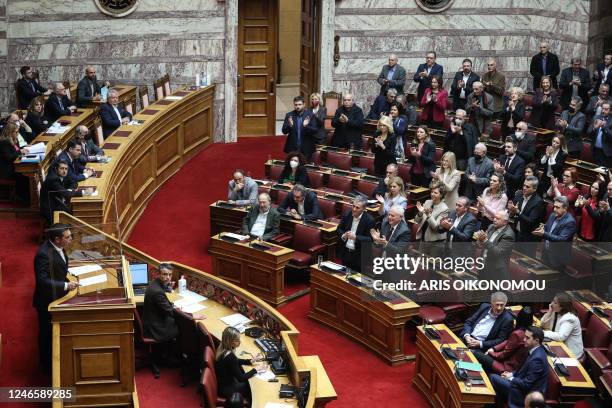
<point x="176" y="226"/>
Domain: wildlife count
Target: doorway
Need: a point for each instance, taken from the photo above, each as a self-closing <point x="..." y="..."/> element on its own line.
<point x="278" y="58"/>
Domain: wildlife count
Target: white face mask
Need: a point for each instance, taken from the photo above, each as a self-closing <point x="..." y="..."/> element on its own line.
<point x="519" y="135"/>
<point x="294" y="164"/>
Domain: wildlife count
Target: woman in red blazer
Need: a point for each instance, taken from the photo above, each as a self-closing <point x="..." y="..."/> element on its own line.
<point x="434" y="102"/>
<point x="508" y="355"/>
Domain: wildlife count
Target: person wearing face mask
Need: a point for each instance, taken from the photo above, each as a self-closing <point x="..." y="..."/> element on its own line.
<point x="575" y="81"/>
<point x="294" y="171"/>
<point x="513" y="111"/>
<point x="300" y="135"/>
<point x="318" y="114"/>
<point x="601" y="138"/>
<point x="525" y="142"/>
<point x="462" y="84"/>
<point x="571" y="125"/>
<point x="545" y="103"/>
<point x="479" y="170"/>
<point x="461" y="138"/>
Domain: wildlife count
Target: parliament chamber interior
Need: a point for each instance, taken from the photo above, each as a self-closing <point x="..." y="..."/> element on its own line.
<point x="306" y="203"/>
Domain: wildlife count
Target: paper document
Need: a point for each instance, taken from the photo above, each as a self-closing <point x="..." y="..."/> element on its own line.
<point x="37" y="148"/>
<point x="194" y="297"/>
<point x="56" y="128"/>
<point x="94" y="194"/>
<point x="332" y="265"/>
<point x="134" y="123"/>
<point x="93" y="280"/>
<point x="266" y="375"/>
<point x="192" y="308"/>
<point x="235" y="236"/>
<point x="184" y="302"/>
<point x="79" y="270"/>
<point x="174" y="98"/>
<point x="235" y="319"/>
<point x="567" y="361"/>
<point x="104" y="93"/>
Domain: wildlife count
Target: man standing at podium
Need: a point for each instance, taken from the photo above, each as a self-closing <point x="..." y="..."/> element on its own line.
<point x="50" y="268"/>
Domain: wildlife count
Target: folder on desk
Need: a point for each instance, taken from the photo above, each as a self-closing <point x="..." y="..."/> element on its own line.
<point x="469" y="366"/>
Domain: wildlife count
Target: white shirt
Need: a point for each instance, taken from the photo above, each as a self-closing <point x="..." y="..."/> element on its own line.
<point x="455" y="224"/>
<point x="350" y="243"/>
<point x="259" y="227"/>
<point x="465" y="80"/>
<point x="117" y="112"/>
<point x="483" y="327"/>
<point x="521" y="208"/>
<point x="301" y="208"/>
<point x="60" y="251"/>
<point x="552" y="160"/>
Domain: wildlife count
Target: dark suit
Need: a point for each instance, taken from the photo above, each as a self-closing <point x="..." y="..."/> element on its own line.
<point x="75" y="168"/>
<point x="38" y="123"/>
<point x="272" y="223"/>
<point x="573" y="131"/>
<point x="158" y="313"/>
<point x="50" y="273"/>
<point x="526" y="147"/>
<point x="424" y="83"/>
<point x="455" y="91"/>
<point x="601" y="155"/>
<point x="552" y="69"/>
<point x="380" y="105"/>
<point x="532" y="376"/>
<point x="299" y="138"/>
<point x="514" y="173"/>
<point x="352" y="257"/>
<point x="57" y="106"/>
<point x="55" y="195"/>
<point x="543" y="112"/>
<point x="398" y="80"/>
<point x="601" y="80"/>
<point x="566" y="89"/>
<point x="349" y="133"/>
<point x="499" y="332"/>
<point x="529" y="218"/>
<point x="109" y="118"/>
<point x="312" y="211"/>
<point x="84" y="91"/>
<point x="559" y="252"/>
<point x="27" y="89"/>
<point x="317" y="125"/>
<point x="8" y="154"/>
<point x="428" y="157"/>
<point x="517" y="116"/>
<point x="384" y="157"/>
<point x="461" y="144"/>
<point x="88" y="150"/>
<point x="498" y="253"/>
<point x="604" y="219"/>
<point x="463" y="232"/>
<point x="483" y="172"/>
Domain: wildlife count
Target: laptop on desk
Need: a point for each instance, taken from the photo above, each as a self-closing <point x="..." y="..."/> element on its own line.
<point x="140" y="277"/>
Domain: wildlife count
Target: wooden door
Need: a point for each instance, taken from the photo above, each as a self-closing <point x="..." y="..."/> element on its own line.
<point x="309" y="47"/>
<point x="257" y="49"/>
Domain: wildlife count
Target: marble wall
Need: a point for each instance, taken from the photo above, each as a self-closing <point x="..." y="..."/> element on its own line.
<point x="599" y="28"/>
<point x="508" y="30"/>
<point x="58" y="38"/>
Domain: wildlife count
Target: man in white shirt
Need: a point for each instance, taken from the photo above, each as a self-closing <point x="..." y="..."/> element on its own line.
<point x="490" y="325"/>
<point x="354" y="230"/>
<point x="262" y="221"/>
<point x="112" y="114"/>
<point x="462" y="84"/>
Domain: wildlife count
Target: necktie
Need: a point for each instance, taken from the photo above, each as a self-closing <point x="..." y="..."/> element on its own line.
<point x="543" y="65"/>
<point x="32" y="86"/>
<point x="508" y="160"/>
<point x="389" y="234"/>
<point x="59" y="98"/>
<point x="299" y="129"/>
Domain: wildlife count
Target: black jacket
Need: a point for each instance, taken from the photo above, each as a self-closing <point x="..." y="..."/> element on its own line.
<point x="75" y="168"/>
<point x="349" y="133"/>
<point x="84" y="95"/>
<point x="272" y="223"/>
<point x="55" y="195"/>
<point x="53" y="108"/>
<point x="109" y="118"/>
<point x="499" y="332"/>
<point x="428" y="157"/>
<point x="50" y="272"/>
<point x="27" y="89"/>
<point x="366" y="223"/>
<point x="530" y="218"/>
<point x="230" y="374"/>
<point x="517" y="116"/>
<point x="566" y="88"/>
<point x="158" y="313"/>
<point x="552" y="69"/>
<point x="38" y="123"/>
<point x="526" y="147"/>
<point x="383" y="157"/>
<point x="8" y="155"/>
<point x="514" y="174"/>
<point x="308" y="134"/>
<point x="312" y="211"/>
<point x="455" y="91"/>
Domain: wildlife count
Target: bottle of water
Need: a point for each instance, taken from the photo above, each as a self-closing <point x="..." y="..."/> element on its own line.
<point x="202" y="78"/>
<point x="182" y="285"/>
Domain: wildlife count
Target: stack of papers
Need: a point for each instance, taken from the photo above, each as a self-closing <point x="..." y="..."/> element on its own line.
<point x="56" y="128"/>
<point x="80" y="270"/>
<point x="266" y="375"/>
<point x="192" y="308"/>
<point x="37" y="148"/>
<point x="193" y="297"/>
<point x="567" y="361"/>
<point x="237" y="321"/>
<point x="174" y="98"/>
<point x="235" y="236"/>
<point x="93" y="280"/>
<point x="332" y="265"/>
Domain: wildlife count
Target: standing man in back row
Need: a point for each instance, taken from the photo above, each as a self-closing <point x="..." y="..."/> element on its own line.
<point x="300" y="136"/>
<point x="392" y="76"/>
<point x="544" y="63"/>
<point x="427" y="71"/>
<point x="348" y="124"/>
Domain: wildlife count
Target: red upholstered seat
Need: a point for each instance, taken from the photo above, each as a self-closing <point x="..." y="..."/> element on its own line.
<point x="584" y="189"/>
<point x="280" y="196"/>
<point x="606" y="380"/>
<point x="147" y="342"/>
<point x="584" y="314"/>
<point x="439" y="153"/>
<point x="527" y="115"/>
<point x="553" y="389"/>
<point x="206" y="339"/>
<point x="210" y="398"/>
<point x="599" y="360"/>
<point x="528" y="100"/>
<point x="275" y="172"/>
<point x="346" y="207"/>
<point x="339" y="160"/>
<point x="367" y="163"/>
<point x="307" y="245"/>
<point x="496" y="132"/>
<point x="315" y="178"/>
<point x="365" y="143"/>
<point x="432" y="314"/>
<point x="209" y="360"/>
<point x="328" y="207"/>
<point x="597" y="334"/>
<point x="316" y="157"/>
<point x="340" y="183"/>
<point x="403" y="170"/>
<point x="587" y="153"/>
<point x="366" y="187"/>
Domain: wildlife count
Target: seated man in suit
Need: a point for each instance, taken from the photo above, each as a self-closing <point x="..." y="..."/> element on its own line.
<point x="58" y="104"/>
<point x="112" y="114"/>
<point x="525" y="142"/>
<point x="497" y="243"/>
<point x="392" y="76"/>
<point x="158" y="314"/>
<point x="511" y="166"/>
<point x="490" y="325"/>
<point x="262" y="221"/>
<point x="56" y="192"/>
<point x="242" y="190"/>
<point x="558" y="234"/>
<point x="353" y="230"/>
<point x="532" y="376"/>
<point x="76" y="170"/>
<point x="528" y="209"/>
<point x="90" y="153"/>
<point x="460" y="224"/>
<point x="88" y="89"/>
<point x="382" y="104"/>
<point x="382" y="184"/>
<point x="393" y="228"/>
<point x="27" y="88"/>
<point x="301" y="204"/>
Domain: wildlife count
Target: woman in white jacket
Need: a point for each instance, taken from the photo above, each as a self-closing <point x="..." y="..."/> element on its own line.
<point x="561" y="323"/>
<point x="448" y="175"/>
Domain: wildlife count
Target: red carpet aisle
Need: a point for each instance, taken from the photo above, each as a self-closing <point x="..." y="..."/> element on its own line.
<point x="176" y="226"/>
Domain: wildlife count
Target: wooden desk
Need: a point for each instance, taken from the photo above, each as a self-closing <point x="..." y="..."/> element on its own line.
<point x="143" y="157"/>
<point x="587" y="172"/>
<point x="126" y="94"/>
<point x="435" y="378"/>
<point x="353" y="311"/>
<point x="259" y="272"/>
<point x="578" y="385"/>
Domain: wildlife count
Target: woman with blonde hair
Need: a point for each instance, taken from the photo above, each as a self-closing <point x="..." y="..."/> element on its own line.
<point x="513" y="111"/>
<point x="317" y="118"/>
<point x="395" y="195"/>
<point x="448" y="176"/>
<point x="383" y="146"/>
<point x="492" y="200"/>
<point x="231" y="377"/>
<point x="9" y="152"/>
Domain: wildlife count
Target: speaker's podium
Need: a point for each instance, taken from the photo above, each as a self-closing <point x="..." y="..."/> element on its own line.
<point x="93" y="337"/>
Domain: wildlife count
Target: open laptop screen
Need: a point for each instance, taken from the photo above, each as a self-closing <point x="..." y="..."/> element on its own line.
<point x="139" y="274"/>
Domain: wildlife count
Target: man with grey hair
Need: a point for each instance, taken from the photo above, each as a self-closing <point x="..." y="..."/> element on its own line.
<point x="262" y="221"/>
<point x="301" y="204"/>
<point x="594" y="106"/>
<point x="242" y="190"/>
<point x="480" y="107"/>
<point x="382" y="104"/>
<point x="112" y="114"/>
<point x="497" y="242"/>
<point x="461" y="138"/>
<point x="544" y="63"/>
<point x="490" y="325"/>
<point x="600" y="133"/>
<point x="575" y="81"/>
<point x="354" y="230"/>
<point x="392" y="76"/>
<point x="58" y="104"/>
<point x="571" y="125"/>
<point x="479" y="170"/>
<point x="494" y="83"/>
<point x="460" y="223"/>
<point x="89" y="151"/>
<point x="558" y="234"/>
<point x="348" y="124"/>
<point x="393" y="228"/>
<point x="528" y="210"/>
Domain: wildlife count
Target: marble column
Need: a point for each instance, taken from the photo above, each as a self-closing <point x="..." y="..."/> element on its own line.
<point x="231" y="73"/>
<point x="328" y="14"/>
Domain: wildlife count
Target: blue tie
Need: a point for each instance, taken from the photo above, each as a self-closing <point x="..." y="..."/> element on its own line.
<point x="543" y="65"/>
<point x="299" y="130"/>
